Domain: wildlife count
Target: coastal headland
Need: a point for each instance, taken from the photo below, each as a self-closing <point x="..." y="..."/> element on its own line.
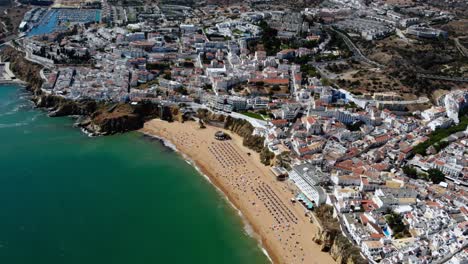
<point x="339" y="132"/>
<point x="281" y="226"/>
<point x="283" y="229"/>
<point x="96" y="118"/>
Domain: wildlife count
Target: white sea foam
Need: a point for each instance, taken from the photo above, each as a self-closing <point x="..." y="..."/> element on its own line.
<point x="20" y="107"/>
<point x="248" y="229"/>
<point x="13" y="125"/>
<point x="34" y="118"/>
<point x="25" y="96"/>
<point x="14" y="110"/>
<point x="85" y="131"/>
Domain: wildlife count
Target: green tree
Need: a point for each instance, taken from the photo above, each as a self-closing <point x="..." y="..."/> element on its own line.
<point x="410" y="172"/>
<point x="276" y="88"/>
<point x="266" y="156"/>
<point x="181" y="90"/>
<point x="269" y="38"/>
<point x="395" y="222"/>
<point x="326" y="81"/>
<point x="436" y="176"/>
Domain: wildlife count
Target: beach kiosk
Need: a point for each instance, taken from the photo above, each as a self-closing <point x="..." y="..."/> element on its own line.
<point x="280" y="173"/>
<point x="220" y="135"/>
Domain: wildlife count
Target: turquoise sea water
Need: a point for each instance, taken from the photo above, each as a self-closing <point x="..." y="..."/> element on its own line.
<point x="67" y="198"/>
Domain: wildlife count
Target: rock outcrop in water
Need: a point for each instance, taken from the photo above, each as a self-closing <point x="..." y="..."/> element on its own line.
<point x="97" y="118"/>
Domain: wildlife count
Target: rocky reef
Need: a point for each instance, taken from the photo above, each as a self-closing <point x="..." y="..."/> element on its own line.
<point x="330" y="238"/>
<point x="96" y="118"/>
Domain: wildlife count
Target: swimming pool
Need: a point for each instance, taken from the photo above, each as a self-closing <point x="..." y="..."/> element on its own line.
<point x="386" y="232"/>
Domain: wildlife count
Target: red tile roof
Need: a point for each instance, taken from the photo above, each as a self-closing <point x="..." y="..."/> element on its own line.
<point x="279" y="122"/>
<point x="304" y="150"/>
<point x="464" y="210"/>
<point x="377" y="236"/>
<point x="311" y="120"/>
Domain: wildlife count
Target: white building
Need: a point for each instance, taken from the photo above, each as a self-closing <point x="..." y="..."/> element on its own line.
<point x="306" y="181"/>
<point x="372" y="249"/>
<point x="441" y="122"/>
<point x="258" y="102"/>
<point x="433" y="113"/>
<point x="237" y="103"/>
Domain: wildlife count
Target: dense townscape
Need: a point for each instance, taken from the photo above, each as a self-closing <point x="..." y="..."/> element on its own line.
<point x="392" y="166"/>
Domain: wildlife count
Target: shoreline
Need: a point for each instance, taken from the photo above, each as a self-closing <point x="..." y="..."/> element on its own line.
<point x="205" y="174"/>
<point x="158" y="216"/>
<point x="282" y="231"/>
<point x="248" y="228"/>
<point x="13" y="82"/>
<point x="283" y="240"/>
<point x="277" y="239"/>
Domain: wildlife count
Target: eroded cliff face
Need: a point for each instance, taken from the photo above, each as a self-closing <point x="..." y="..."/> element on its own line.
<point x="331" y="239"/>
<point x="112" y="119"/>
<point x="22" y="68"/>
<point x="325" y="239"/>
<point x="97" y="118"/>
<point x="59" y="106"/>
<point x="339" y="247"/>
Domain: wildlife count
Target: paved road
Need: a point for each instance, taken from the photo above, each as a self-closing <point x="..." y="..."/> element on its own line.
<point x="420" y="100"/>
<point x="29" y="56"/>
<point x="449" y="256"/>
<point x="324" y="72"/>
<point x="355" y="50"/>
<point x="320" y="66"/>
<point x="39" y="60"/>
<point x="8" y="39"/>
<point x="461" y="48"/>
<point x="255" y="122"/>
<point x="364" y="102"/>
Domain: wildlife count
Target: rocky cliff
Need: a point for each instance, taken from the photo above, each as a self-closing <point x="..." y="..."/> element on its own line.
<point x="97" y="118"/>
<point x="22" y="68"/>
<point x="331" y="239"/>
<point x="112" y="119"/>
<point x="59" y="106"/>
<point x="339" y="247"/>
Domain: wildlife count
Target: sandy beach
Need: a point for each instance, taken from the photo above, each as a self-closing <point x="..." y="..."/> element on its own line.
<point x="282" y="227"/>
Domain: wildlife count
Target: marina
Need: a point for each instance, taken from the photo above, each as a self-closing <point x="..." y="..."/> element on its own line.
<point x="54" y="19"/>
